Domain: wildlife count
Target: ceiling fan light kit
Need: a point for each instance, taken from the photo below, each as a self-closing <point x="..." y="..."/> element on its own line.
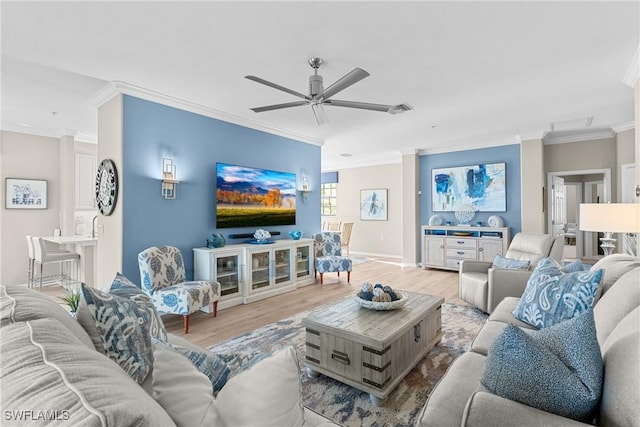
<point x="318" y="96"/>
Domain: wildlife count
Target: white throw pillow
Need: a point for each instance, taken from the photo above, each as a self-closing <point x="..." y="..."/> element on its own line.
<point x="267" y="395"/>
<point x="182" y="390"/>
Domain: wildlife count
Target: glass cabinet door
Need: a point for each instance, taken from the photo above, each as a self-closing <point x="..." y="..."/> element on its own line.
<point x="303" y="267"/>
<point x="228" y="274"/>
<point x="283" y="265"/>
<point x="259" y="270"/>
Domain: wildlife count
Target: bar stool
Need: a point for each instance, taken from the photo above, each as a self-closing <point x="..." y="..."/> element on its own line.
<point x="32" y="260"/>
<point x="45" y="255"/>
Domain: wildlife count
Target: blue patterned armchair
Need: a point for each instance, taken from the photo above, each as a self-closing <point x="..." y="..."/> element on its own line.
<point x="328" y="255"/>
<point x="163" y="279"/>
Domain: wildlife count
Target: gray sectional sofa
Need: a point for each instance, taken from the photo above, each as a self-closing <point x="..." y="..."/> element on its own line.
<point x="51" y="374"/>
<point x="459" y="400"/>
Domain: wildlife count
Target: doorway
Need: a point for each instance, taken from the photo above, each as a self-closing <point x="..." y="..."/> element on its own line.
<point x="575" y="187"/>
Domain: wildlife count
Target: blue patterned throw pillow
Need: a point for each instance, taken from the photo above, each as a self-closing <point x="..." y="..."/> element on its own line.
<point x="119" y="322"/>
<point x="511" y="264"/>
<point x="572" y="267"/>
<point x="553" y="296"/>
<point x="557" y="369"/>
<point x="123" y="287"/>
<point x="210" y="364"/>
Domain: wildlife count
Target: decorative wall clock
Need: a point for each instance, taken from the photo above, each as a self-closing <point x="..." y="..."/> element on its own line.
<point x="107" y="187"/>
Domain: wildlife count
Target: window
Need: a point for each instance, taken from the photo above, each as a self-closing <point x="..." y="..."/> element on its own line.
<point x="328" y="198"/>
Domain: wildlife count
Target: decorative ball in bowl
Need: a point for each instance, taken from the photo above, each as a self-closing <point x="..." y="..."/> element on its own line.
<point x="379" y="297"/>
<point x="295" y="234"/>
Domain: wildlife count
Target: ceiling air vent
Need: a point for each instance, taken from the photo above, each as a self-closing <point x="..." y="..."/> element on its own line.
<point x="573" y="124"/>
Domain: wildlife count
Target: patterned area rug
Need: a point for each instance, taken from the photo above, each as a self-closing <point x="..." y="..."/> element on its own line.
<point x="344" y="404"/>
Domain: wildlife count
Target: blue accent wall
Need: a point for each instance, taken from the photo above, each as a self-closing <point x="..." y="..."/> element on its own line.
<point x="510" y="154"/>
<point x="152" y="131"/>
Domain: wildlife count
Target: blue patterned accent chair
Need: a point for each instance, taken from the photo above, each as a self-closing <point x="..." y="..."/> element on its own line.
<point x="328" y="255"/>
<point x="163" y="278"/>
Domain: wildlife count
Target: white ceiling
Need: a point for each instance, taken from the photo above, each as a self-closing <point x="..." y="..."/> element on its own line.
<point x="476" y="73"/>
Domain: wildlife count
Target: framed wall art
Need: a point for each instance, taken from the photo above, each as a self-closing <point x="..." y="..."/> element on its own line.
<point x="481" y="186"/>
<point x="373" y="205"/>
<point x="26" y="193"/>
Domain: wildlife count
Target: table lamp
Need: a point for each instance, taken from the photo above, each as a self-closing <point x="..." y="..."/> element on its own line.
<point x="610" y="218"/>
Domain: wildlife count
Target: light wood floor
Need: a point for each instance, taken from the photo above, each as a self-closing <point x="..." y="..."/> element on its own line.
<point x="205" y="330"/>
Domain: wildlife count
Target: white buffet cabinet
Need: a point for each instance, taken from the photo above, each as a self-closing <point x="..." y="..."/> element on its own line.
<point x="446" y="246"/>
<point x="248" y="272"/>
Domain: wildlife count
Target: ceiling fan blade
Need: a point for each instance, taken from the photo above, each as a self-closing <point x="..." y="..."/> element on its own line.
<point x="360" y="105"/>
<point x="391" y="109"/>
<point x="276" y="86"/>
<point x="278" y="106"/>
<point x="321" y="116"/>
<point x="352" y="77"/>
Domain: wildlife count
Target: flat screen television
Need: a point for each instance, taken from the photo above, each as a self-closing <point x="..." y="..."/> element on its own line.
<point x="252" y="197"/>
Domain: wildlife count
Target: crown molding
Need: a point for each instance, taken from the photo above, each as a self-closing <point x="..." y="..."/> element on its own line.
<point x="621" y="127"/>
<point x="83" y="137"/>
<point x="471" y="145"/>
<point x="633" y="72"/>
<point x="48" y="133"/>
<point x="562" y="137"/>
<point x="408" y="151"/>
<point x="116" y="88"/>
<point x="530" y="136"/>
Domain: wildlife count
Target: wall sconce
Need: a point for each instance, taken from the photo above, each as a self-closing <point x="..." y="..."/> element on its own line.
<point x="169" y="182"/>
<point x="305" y="188"/>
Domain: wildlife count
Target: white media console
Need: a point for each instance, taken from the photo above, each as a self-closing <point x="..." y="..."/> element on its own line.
<point x="249" y="272"/>
<point x="446" y="246"/>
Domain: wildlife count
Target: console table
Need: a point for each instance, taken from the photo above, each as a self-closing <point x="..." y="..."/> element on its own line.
<point x="248" y="272"/>
<point x="446" y="246"/>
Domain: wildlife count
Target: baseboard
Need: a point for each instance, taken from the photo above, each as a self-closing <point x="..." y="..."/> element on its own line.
<point x="374" y="255"/>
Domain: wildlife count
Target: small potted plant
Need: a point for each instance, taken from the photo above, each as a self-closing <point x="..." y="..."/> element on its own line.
<point x="72" y="298"/>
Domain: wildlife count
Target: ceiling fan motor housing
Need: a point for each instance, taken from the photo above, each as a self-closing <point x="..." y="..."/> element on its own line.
<point x="315" y="85"/>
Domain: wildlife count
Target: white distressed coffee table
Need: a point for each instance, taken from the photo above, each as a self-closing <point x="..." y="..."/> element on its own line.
<point x="371" y="350"/>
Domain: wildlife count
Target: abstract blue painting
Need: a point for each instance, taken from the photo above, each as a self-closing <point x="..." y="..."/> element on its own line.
<point x="481" y="186"/>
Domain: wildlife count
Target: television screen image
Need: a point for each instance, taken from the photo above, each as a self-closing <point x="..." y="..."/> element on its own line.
<point x="252" y="197"/>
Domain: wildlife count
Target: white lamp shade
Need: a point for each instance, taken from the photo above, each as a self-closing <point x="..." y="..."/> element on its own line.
<point x="610" y="217"/>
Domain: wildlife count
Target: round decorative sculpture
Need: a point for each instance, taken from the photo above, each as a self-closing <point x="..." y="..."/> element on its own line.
<point x="295" y="234"/>
<point x="215" y="241"/>
<point x="261" y="235"/>
<point x="495" y="221"/>
<point x="106" y="187"/>
<point x="435" y="220"/>
<point x="464" y="214"/>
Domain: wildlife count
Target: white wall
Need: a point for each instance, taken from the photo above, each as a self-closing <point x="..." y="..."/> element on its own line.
<point x="532" y="183"/>
<point x="376" y="238"/>
<point x="583" y="155"/>
<point x="110" y="227"/>
<point x="34" y="157"/>
<point x="625" y="153"/>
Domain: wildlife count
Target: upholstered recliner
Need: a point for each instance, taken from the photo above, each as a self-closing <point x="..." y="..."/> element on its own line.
<point x="328" y="255"/>
<point x="484" y="287"/>
<point x="163" y="278"/>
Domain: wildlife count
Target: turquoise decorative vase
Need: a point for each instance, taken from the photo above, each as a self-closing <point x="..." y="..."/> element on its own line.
<point x="295" y="234"/>
<point x="215" y="241"/>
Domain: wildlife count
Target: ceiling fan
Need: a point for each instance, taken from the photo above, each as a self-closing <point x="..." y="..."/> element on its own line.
<point x="318" y="96"/>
